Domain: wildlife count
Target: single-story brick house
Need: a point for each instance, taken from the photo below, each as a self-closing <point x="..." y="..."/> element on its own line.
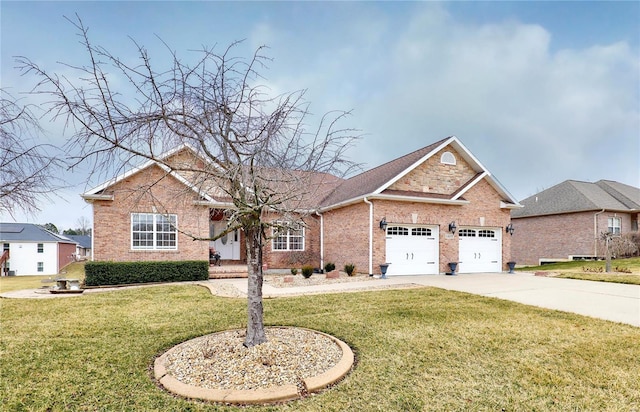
<point x="419" y="212"/>
<point x="29" y="249"/>
<point x="565" y="222"/>
<point x="83" y="247"/>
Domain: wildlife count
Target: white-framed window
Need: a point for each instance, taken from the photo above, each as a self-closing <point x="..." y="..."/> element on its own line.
<point x="398" y="231"/>
<point x="486" y="233"/>
<point x="448" y="158"/>
<point x="613" y="225"/>
<point x="40" y="247"/>
<point x="40" y="266"/>
<point x="288" y="236"/>
<point x="467" y="233"/>
<point x="420" y="231"/>
<point x="153" y="231"/>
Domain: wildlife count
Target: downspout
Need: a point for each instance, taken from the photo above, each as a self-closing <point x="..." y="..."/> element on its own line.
<point x="595" y="233"/>
<point x="321" y="240"/>
<point x="370" y="235"/>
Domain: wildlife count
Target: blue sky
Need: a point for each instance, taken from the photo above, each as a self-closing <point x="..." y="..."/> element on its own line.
<point x="540" y="92"/>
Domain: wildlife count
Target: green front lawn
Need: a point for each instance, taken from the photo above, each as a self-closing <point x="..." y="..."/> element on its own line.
<point x="418" y="349"/>
<point x="10" y="283"/>
<point x="593" y="270"/>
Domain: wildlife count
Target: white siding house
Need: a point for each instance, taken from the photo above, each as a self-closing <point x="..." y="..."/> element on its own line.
<point x="33" y="250"/>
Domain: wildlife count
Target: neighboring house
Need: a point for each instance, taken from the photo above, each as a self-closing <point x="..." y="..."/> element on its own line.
<point x="83" y="247"/>
<point x="566" y="221"/>
<point x="32" y="250"/>
<point x="419" y="212"/>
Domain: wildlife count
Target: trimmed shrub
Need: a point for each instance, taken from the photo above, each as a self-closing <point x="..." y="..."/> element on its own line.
<point x="294" y="271"/>
<point x="350" y="269"/>
<point x="307" y="271"/>
<point x="329" y="267"/>
<point x="125" y="273"/>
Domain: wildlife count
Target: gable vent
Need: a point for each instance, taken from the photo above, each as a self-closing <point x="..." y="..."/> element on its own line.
<point x="448" y="158"/>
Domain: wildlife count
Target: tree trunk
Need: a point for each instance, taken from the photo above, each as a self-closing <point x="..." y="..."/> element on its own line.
<point x="255" y="321"/>
<point x="607" y="242"/>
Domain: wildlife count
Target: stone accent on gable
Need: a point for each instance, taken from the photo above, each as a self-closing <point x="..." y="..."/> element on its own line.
<point x="432" y="176"/>
<point x="150" y="191"/>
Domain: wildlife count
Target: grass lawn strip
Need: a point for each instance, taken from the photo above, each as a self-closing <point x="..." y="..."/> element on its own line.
<point x="587" y="270"/>
<point x="417" y="349"/>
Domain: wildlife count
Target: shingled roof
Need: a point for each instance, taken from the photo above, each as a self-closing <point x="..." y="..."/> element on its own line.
<point x="376" y="181"/>
<point x="371" y="180"/>
<point x="29" y="232"/>
<point x="324" y="191"/>
<point x="575" y="196"/>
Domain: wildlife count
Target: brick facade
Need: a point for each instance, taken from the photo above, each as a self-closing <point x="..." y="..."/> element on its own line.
<point x="164" y="194"/>
<point x="346" y="229"/>
<point x="562" y="236"/>
<point x="280" y="259"/>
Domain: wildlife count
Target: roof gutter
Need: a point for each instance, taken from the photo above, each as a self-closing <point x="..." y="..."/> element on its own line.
<point x="90" y="198"/>
<point x="415" y="199"/>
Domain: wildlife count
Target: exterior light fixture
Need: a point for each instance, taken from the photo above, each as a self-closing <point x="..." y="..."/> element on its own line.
<point x="383" y="223"/>
<point x="509" y="229"/>
<point x="452" y="227"/>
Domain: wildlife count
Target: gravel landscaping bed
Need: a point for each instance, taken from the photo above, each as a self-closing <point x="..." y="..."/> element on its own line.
<point x="220" y="361"/>
<point x="278" y="281"/>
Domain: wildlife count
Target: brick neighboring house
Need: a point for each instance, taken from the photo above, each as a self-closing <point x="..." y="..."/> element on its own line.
<point x="565" y="221"/>
<point x="419" y="212"/>
<point x="29" y="249"/>
<point x="83" y="247"/>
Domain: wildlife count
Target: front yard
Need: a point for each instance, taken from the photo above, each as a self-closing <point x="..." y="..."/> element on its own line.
<point x="418" y="349"/>
<point x="623" y="270"/>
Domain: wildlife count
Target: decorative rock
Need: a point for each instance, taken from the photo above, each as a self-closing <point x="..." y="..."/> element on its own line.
<point x="288" y="279"/>
<point x="334" y="274"/>
<point x="217" y="367"/>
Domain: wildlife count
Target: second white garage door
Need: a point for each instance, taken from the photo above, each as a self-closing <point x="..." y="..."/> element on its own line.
<point x="480" y="250"/>
<point x="412" y="250"/>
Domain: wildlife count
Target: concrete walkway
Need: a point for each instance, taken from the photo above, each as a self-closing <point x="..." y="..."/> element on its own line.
<point x="610" y="301"/>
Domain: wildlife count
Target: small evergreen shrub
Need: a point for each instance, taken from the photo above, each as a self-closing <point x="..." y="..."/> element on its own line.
<point x="294" y="271"/>
<point x="124" y="273"/>
<point x="350" y="269"/>
<point x="329" y="267"/>
<point x="307" y="271"/>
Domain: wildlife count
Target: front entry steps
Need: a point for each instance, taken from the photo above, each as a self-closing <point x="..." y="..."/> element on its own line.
<point x="228" y="271"/>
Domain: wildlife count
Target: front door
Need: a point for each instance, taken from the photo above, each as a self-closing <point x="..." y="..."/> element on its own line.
<point x="228" y="246"/>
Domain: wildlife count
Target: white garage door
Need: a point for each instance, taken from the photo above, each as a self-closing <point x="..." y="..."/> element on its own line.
<point x="412" y="250"/>
<point x="480" y="250"/>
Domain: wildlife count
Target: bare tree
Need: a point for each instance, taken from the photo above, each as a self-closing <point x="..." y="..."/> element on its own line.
<point x="84" y="226"/>
<point x="258" y="150"/>
<point x="27" y="167"/>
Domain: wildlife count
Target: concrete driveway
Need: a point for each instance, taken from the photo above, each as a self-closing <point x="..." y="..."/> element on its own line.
<point x="609" y="301"/>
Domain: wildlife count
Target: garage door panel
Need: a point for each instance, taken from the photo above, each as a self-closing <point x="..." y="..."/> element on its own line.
<point x="412" y="250"/>
<point x="480" y="250"/>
